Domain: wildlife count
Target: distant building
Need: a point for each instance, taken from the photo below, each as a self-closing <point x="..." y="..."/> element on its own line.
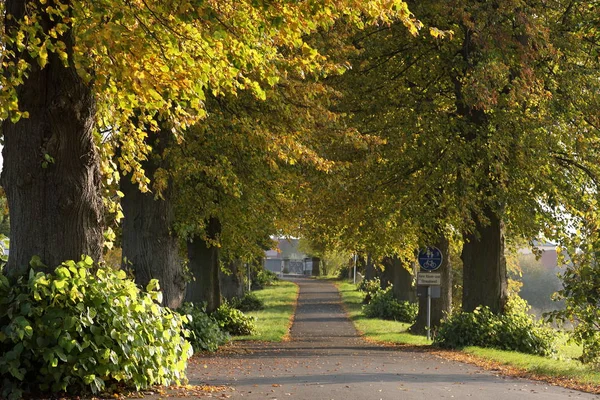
<point x="549" y="258"/>
<point x="288" y="259"/>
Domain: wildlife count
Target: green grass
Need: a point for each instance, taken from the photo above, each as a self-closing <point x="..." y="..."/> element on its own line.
<point x="564" y="366"/>
<point x="273" y="322"/>
<point x="375" y="329"/>
<point x="567" y="349"/>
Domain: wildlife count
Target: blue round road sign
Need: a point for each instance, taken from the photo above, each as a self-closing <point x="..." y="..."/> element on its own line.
<point x="430" y="258"/>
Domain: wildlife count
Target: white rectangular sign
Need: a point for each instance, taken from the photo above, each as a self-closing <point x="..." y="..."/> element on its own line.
<point x="429" y="278"/>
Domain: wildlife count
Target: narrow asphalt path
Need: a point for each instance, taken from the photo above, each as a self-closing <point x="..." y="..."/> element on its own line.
<point x="326" y="359"/>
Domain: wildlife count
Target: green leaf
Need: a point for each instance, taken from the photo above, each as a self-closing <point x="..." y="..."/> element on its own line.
<point x="87" y="260"/>
<point x="36" y="262"/>
<point x="60" y="353"/>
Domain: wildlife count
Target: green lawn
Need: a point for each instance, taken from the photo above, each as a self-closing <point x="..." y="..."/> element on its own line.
<point x="550" y="367"/>
<point x="273" y="322"/>
<point x="564" y="366"/>
<point x="371" y="328"/>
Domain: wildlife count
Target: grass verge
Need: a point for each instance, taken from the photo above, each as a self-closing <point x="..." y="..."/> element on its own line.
<point x="377" y="330"/>
<point x="541" y="366"/>
<point x="274" y="321"/>
<point x="562" y="371"/>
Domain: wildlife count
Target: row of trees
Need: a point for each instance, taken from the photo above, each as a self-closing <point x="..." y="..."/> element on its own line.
<point x="488" y="137"/>
<point x="212" y="125"/>
<point x="107" y="100"/>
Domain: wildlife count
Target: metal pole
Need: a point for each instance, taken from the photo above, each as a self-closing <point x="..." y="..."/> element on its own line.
<point x="249" y="278"/>
<point x="428" y="312"/>
<point x="355" y="257"/>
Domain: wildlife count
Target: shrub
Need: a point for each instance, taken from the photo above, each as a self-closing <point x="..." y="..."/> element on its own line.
<point x="385" y="306"/>
<point x="514" y="330"/>
<point x="234" y="321"/>
<point x="205" y="333"/>
<point x="250" y="302"/>
<point x="80" y="329"/>
<point x="344" y="272"/>
<point x="264" y="278"/>
<point x="581" y="294"/>
<point x="369" y="288"/>
<point x="461" y="329"/>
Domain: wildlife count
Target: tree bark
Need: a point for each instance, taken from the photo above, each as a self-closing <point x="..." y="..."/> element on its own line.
<point x="316" y="266"/>
<point x="51" y="171"/>
<point x="484" y="265"/>
<point x="150" y="246"/>
<point x="401" y="279"/>
<point x="232" y="282"/>
<point x="370" y="271"/>
<point x="323" y="265"/>
<point x="204" y="266"/>
<point x="440" y="306"/>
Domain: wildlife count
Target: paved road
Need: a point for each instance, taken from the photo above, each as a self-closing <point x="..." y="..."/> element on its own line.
<point x="326" y="359"/>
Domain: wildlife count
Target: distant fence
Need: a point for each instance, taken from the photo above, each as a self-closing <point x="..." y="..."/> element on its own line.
<point x="292" y="266"/>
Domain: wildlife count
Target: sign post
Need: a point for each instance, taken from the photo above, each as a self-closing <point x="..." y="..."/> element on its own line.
<point x="249" y="278"/>
<point x="355" y="258"/>
<point x="430" y="259"/>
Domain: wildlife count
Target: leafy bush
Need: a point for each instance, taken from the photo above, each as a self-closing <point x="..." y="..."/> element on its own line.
<point x="345" y="272"/>
<point x="385" y="306"/>
<point x="514" y="330"/>
<point x="250" y="302"/>
<point x="581" y="294"/>
<point x="80" y="329"/>
<point x="264" y="278"/>
<point x="205" y="333"/>
<point x="369" y="288"/>
<point x="4" y="247"/>
<point x="461" y="329"/>
<point x="234" y="321"/>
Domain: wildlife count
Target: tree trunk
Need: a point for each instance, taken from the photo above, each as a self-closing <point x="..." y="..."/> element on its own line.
<point x="149" y="244"/>
<point x="204" y="266"/>
<point x="370" y="272"/>
<point x="440" y="306"/>
<point x="256" y="267"/>
<point x="232" y="282"/>
<point x="484" y="265"/>
<point x="401" y="278"/>
<point x="323" y="265"/>
<point x="316" y="266"/>
<point x="51" y="171"/>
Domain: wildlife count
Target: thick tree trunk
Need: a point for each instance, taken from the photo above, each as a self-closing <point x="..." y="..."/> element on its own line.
<point x="255" y="267"/>
<point x="370" y="271"/>
<point x="232" y="282"/>
<point x="51" y="171"/>
<point x="316" y="266"/>
<point x="150" y="246"/>
<point x="400" y="277"/>
<point x="204" y="266"/>
<point x="440" y="306"/>
<point x="323" y="265"/>
<point x="484" y="265"/>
